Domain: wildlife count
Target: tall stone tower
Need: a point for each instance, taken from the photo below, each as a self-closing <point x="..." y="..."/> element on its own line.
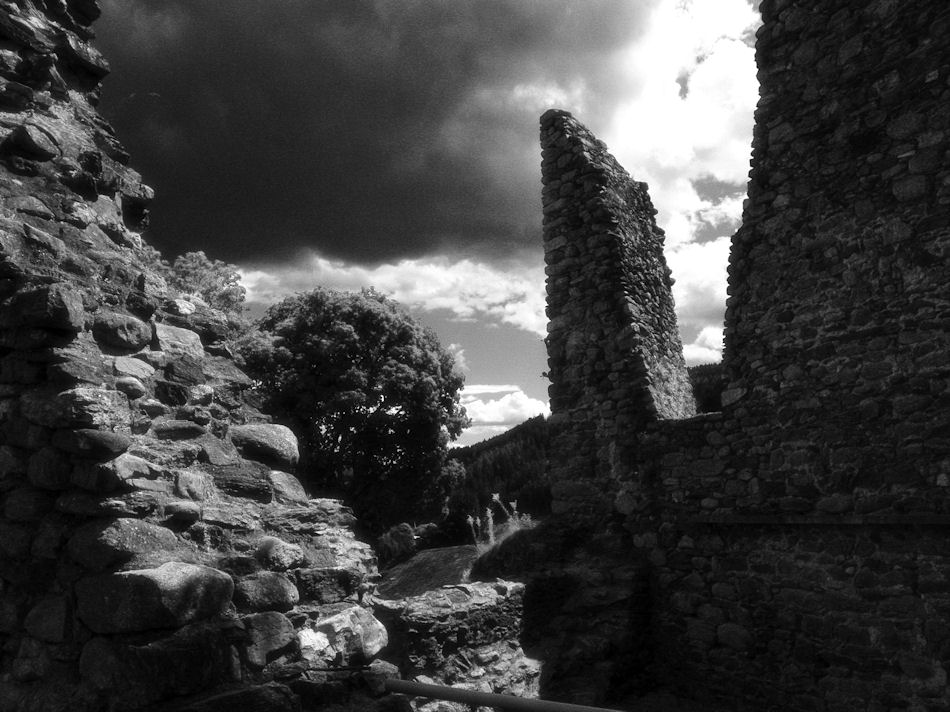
<point x="838" y="320"/>
<point x="614" y="352"/>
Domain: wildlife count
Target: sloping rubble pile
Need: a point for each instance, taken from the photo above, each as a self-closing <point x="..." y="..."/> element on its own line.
<point x="154" y="544"/>
<point x="465" y="635"/>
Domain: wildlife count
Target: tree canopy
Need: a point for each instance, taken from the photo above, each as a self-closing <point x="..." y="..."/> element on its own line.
<point x="370" y="392"/>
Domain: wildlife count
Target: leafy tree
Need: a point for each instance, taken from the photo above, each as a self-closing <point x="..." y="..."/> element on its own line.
<point x="217" y="283"/>
<point x="370" y="392"/>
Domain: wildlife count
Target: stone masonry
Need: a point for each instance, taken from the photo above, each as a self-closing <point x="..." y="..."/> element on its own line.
<point x="795" y="540"/>
<point x="155" y="546"/>
<point x="614" y="354"/>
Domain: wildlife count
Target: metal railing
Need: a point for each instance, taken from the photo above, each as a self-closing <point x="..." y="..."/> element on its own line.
<point x="486" y="699"/>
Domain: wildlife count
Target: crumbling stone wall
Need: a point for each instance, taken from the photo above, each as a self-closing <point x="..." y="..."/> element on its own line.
<point x="154" y="544"/>
<point x="796" y="538"/>
<point x="797" y="535"/>
<point x="836" y="325"/>
<point x="614" y="353"/>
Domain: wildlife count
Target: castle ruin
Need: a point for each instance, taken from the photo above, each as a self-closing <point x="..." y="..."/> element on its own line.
<point x="795" y="540"/>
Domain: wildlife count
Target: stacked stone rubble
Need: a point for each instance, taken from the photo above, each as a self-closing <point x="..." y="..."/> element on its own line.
<point x="465" y="635"/>
<point x="153" y="541"/>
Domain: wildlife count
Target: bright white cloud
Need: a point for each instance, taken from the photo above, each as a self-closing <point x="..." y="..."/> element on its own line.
<point x="700" y="295"/>
<point x="493" y="416"/>
<point x="707" y="347"/>
<point x="668" y="136"/>
<point x="459" y="353"/>
<point x="467" y="289"/>
<point x="480" y="390"/>
<point x="688" y="119"/>
<point x="508" y="410"/>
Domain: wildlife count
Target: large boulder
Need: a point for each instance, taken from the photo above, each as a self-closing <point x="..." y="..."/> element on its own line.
<point x="169" y="596"/>
<point x="269" y="443"/>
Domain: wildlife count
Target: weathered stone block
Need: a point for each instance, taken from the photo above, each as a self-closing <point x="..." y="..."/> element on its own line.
<point x="287" y="488"/>
<point x="177" y="430"/>
<point x="82" y="407"/>
<point x="734" y="636"/>
<point x="49" y="620"/>
<point x="178" y="342"/>
<point x="265" y="591"/>
<point x="268" y="634"/>
<point x="55" y="306"/>
<point x="27" y="504"/>
<point x="92" y="444"/>
<point x="167" y="597"/>
<point x="326" y="585"/>
<point x="100" y="544"/>
<point x="352" y="636"/>
<point x="278" y="555"/>
<point x="121" y="331"/>
<point x="134" y="367"/>
<point x="272" y="444"/>
<point x="49" y="469"/>
<point x="138" y="675"/>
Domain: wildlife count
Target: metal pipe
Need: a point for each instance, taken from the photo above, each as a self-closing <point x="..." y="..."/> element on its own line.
<point x="486" y="699"/>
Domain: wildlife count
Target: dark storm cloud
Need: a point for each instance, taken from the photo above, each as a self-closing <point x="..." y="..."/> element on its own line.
<point x="363" y="130"/>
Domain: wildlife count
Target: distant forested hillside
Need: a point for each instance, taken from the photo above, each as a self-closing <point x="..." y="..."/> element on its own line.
<point x="511" y="464"/>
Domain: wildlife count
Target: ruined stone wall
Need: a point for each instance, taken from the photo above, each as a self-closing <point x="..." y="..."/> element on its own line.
<point x="796" y="538"/>
<point x="797" y="535"/>
<point x="154" y="544"/>
<point x="781" y="602"/>
<point x="837" y="325"/>
<point x="614" y="353"/>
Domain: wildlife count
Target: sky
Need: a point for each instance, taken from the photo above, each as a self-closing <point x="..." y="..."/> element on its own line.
<point x="394" y="144"/>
